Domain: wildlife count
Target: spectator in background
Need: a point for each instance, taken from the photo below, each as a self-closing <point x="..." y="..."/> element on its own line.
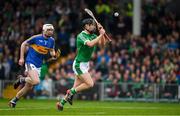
<point x="102" y="53"/>
<point x="72" y="43"/>
<point x="119" y="26"/>
<point x="2" y="70"/>
<point x="102" y="67"/>
<point x="7" y="68"/>
<point x="168" y="66"/>
<point x="63" y="40"/>
<point x="47" y="86"/>
<point x="103" y="10"/>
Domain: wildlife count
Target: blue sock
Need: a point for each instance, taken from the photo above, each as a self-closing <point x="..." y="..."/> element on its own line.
<point x="15" y="99"/>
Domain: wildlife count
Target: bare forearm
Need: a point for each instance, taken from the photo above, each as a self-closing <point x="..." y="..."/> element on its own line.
<point x="53" y="53"/>
<point x="95" y="41"/>
<point x="23" y="48"/>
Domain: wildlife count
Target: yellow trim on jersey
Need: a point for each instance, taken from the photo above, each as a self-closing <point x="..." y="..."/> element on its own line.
<point x="40" y="49"/>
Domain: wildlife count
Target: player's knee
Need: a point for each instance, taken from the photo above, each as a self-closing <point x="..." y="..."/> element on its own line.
<point x="36" y="82"/>
<point x="30" y="87"/>
<point x="91" y="84"/>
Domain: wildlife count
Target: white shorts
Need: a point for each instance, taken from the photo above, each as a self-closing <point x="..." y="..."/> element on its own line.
<point x="30" y="66"/>
<point x="80" y="67"/>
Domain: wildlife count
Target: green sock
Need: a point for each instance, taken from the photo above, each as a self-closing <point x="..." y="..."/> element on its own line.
<point x="63" y="101"/>
<point x="73" y="91"/>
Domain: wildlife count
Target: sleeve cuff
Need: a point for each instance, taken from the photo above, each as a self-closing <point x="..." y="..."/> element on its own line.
<point x="86" y="41"/>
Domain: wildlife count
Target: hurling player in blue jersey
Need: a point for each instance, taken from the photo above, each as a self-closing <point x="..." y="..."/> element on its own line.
<point x="38" y="46"/>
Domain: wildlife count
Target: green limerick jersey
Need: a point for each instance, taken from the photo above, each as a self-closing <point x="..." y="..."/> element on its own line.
<point x="84" y="52"/>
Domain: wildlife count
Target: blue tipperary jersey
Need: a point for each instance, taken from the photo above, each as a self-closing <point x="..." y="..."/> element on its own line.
<point x="38" y="48"/>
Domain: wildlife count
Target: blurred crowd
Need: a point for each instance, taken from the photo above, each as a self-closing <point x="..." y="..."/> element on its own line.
<point x="153" y="57"/>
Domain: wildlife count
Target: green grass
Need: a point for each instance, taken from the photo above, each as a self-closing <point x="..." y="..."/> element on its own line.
<point x="84" y="108"/>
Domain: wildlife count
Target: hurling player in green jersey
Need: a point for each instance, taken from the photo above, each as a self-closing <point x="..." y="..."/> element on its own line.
<point x="86" y="42"/>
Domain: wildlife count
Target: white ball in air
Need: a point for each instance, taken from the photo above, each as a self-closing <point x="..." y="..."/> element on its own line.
<point x="116" y="14"/>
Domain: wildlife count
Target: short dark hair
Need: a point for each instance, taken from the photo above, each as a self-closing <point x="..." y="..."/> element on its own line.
<point x="88" y="21"/>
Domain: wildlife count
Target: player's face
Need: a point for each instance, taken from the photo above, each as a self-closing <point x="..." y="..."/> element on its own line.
<point x="49" y="32"/>
<point x="91" y="28"/>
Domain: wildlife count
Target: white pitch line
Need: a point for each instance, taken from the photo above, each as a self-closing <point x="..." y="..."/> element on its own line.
<point x="117" y="107"/>
<point x="31" y="108"/>
<point x="23" y="109"/>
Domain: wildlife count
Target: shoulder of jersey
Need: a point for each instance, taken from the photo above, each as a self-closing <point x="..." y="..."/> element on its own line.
<point x="52" y="38"/>
<point x="80" y="34"/>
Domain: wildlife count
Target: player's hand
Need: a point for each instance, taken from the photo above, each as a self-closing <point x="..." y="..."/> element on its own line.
<point x="21" y="61"/>
<point x="102" y="31"/>
<point x="58" y="53"/>
<point x="99" y="26"/>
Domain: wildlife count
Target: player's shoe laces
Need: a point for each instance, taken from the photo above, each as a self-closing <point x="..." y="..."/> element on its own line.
<point x="17" y="82"/>
<point x="12" y="104"/>
<point x="59" y="106"/>
<point x="69" y="97"/>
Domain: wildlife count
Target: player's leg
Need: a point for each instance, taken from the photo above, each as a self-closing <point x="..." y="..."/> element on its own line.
<point x="31" y="80"/>
<point x="86" y="83"/>
<point x="77" y="82"/>
<point x="63" y="101"/>
<point x="80" y="69"/>
<point x="20" y="93"/>
<point x="20" y="80"/>
<point x="34" y="77"/>
<point x="24" y="90"/>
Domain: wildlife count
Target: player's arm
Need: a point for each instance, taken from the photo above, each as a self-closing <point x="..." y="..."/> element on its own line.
<point x="54" y="54"/>
<point x="102" y="42"/>
<point x="95" y="41"/>
<point x="23" y="49"/>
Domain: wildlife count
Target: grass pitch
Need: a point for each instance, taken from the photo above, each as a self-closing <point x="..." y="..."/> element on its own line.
<point x="84" y="108"/>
